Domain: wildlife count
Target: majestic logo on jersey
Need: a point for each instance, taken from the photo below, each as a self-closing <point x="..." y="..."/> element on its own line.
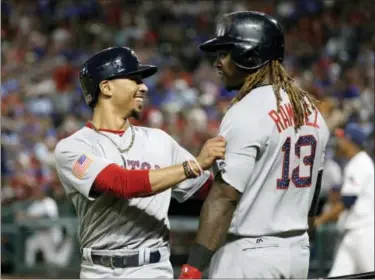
<point x="81" y="165"/>
<point x="259" y="240"/>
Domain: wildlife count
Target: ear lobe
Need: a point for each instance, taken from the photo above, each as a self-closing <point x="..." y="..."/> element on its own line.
<point x="105" y="88"/>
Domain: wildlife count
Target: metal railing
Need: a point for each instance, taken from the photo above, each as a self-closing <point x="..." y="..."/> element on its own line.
<point x="16" y="234"/>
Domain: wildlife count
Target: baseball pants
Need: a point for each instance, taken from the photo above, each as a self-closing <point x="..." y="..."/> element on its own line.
<point x="162" y="269"/>
<point x="262" y="257"/>
<point x="355" y="253"/>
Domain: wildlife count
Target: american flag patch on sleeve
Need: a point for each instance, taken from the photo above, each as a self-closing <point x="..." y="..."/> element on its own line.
<point x="81" y="165"/>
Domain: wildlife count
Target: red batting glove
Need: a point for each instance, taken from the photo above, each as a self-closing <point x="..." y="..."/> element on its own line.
<point x="190" y="272"/>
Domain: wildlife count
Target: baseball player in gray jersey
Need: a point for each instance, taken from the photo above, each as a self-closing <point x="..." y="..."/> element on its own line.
<point x="120" y="177"/>
<point x="266" y="189"/>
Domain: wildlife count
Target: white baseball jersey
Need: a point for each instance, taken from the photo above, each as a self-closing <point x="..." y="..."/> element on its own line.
<point x="356" y="251"/>
<point x="107" y="222"/>
<point x="332" y="177"/>
<point x="359" y="181"/>
<point x="273" y="167"/>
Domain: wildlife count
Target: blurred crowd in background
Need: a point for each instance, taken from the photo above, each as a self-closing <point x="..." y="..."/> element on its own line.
<point x="329" y="52"/>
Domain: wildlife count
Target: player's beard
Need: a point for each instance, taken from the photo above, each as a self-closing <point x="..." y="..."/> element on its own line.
<point x="135" y="114"/>
<point x="229" y="84"/>
<point x="230" y="87"/>
<point x="233" y="87"/>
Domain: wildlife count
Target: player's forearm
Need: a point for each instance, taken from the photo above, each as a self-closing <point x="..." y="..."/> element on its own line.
<point x="163" y="179"/>
<point x="332" y="215"/>
<point x="137" y="183"/>
<point x="216" y="215"/>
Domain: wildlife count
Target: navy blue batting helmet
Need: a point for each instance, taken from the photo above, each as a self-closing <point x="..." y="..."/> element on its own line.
<point x="253" y="39"/>
<point x="111" y="63"/>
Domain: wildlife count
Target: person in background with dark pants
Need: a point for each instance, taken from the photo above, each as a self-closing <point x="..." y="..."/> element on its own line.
<point x="356" y="206"/>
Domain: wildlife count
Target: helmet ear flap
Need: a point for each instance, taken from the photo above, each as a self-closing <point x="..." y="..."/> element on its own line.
<point x="247" y="57"/>
<point x="90" y="89"/>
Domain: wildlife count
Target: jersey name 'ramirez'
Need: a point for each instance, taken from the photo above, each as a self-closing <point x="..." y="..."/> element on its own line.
<point x="285" y="117"/>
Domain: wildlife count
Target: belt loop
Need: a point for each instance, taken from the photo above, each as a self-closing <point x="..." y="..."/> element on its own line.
<point x="87" y="255"/>
<point x="141" y="256"/>
<point x="147" y="253"/>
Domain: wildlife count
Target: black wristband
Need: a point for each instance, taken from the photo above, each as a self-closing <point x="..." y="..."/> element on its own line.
<point x="184" y="165"/>
<point x="199" y="256"/>
<point x="189" y="173"/>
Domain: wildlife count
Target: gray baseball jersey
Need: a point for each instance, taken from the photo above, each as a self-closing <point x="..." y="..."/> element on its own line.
<point x="107" y="222"/>
<point x="274" y="167"/>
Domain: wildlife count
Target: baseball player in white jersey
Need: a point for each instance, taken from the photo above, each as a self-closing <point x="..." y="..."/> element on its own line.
<point x="356" y="207"/>
<point x="255" y="219"/>
<point x="119" y="176"/>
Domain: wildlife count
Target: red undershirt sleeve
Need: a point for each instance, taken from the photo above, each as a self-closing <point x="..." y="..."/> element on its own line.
<point x="202" y="193"/>
<point x="122" y="183"/>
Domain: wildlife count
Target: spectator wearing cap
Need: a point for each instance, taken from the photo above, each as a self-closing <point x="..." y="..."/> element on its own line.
<point x="356" y="206"/>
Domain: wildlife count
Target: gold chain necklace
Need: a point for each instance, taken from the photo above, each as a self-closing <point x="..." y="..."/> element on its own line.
<point x="114" y="143"/>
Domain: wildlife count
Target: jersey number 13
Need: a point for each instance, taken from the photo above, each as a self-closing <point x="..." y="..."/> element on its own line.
<point x="307" y="160"/>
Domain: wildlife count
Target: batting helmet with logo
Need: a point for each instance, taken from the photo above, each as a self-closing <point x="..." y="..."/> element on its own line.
<point x="111" y="63"/>
<point x="253" y="39"/>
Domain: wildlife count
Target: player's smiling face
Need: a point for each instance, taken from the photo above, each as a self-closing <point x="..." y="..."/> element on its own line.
<point x="127" y="95"/>
<point x="138" y="97"/>
<point x="233" y="78"/>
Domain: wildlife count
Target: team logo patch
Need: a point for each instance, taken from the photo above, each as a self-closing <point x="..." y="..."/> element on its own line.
<point x="81" y="165"/>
